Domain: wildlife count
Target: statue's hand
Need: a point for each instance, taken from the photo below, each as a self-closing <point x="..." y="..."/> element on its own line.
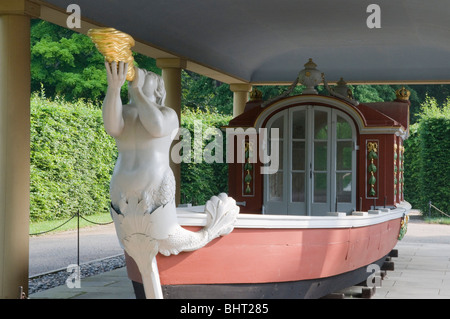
<point x="116" y="76"/>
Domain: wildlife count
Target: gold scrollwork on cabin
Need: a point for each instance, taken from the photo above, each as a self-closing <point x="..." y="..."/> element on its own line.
<point x="403" y="227"/>
<point x="372" y="155"/>
<point x="395" y="169"/>
<point x="402" y="169"/>
<point x="248" y="169"/>
<point x="372" y="146"/>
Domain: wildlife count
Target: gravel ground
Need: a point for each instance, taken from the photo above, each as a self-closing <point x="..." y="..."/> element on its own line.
<point x="58" y="278"/>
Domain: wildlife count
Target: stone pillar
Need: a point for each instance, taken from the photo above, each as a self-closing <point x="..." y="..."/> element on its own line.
<point x="171" y="73"/>
<point x="14" y="145"/>
<point x="240" y="97"/>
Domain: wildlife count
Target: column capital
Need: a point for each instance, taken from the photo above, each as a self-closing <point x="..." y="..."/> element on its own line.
<point x="240" y="96"/>
<point x="171" y="63"/>
<point x="20" y="7"/>
<point x="240" y="87"/>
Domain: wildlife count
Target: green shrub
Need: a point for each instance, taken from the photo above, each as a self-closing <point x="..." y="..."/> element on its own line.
<point x="427" y="169"/>
<point x="413" y="167"/>
<point x="200" y="181"/>
<point x="71" y="159"/>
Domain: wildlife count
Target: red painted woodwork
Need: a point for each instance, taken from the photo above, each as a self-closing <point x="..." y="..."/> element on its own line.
<point x="277" y="255"/>
<point x="384" y="117"/>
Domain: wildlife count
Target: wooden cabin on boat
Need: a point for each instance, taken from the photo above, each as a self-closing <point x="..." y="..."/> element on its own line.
<point x="334" y="155"/>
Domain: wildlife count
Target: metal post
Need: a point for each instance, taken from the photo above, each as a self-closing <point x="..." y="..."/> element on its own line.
<point x="429" y="209"/>
<point x="78" y="239"/>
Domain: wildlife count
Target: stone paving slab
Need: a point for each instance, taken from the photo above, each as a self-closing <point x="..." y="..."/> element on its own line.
<point x="110" y="285"/>
<point x="421" y="272"/>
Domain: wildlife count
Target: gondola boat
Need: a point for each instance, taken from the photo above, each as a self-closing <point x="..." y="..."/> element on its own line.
<point x="333" y="206"/>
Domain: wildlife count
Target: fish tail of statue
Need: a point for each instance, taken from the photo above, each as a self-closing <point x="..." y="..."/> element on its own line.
<point x="143" y="235"/>
<point x="221" y="214"/>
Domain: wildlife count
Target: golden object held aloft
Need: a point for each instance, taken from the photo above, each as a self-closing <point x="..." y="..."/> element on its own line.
<point x="115" y="46"/>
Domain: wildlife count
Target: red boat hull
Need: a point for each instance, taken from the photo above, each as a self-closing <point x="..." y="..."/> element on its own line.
<point x="255" y="256"/>
<point x="279" y="255"/>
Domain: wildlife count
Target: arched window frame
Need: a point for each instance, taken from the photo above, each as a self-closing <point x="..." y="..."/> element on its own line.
<point x="285" y="204"/>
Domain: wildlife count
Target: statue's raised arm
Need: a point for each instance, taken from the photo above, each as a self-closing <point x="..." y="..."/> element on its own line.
<point x="112" y="105"/>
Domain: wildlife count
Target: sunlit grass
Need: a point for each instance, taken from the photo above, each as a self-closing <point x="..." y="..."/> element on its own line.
<point x="437" y="220"/>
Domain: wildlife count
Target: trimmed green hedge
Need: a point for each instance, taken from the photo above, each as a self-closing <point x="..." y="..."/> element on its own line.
<point x="427" y="169"/>
<point x="72" y="159"/>
<point x="200" y="181"/>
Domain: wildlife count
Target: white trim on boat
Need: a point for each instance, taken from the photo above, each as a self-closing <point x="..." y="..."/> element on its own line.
<point x="195" y="216"/>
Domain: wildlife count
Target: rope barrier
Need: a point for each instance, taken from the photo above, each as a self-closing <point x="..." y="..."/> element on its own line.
<point x="96" y="223"/>
<point x="431" y="205"/>
<point x="70" y="218"/>
<point x="47" y="231"/>
<point x="78" y="215"/>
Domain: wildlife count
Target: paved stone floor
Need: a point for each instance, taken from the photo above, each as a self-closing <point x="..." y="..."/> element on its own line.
<point x="109" y="285"/>
<point x="422" y="271"/>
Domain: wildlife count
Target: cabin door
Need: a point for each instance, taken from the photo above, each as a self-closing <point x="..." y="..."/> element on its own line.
<point x="317" y="163"/>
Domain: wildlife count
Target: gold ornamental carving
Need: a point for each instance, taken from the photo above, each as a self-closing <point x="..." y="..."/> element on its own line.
<point x="403" y="94"/>
<point x="114" y="45"/>
<point x="372" y="154"/>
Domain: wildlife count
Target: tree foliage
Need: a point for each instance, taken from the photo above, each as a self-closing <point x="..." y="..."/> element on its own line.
<point x="206" y="94"/>
<point x="200" y="181"/>
<point x="68" y="64"/>
<point x="65" y="63"/>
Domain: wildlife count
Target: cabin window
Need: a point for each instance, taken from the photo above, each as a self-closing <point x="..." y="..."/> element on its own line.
<point x="276" y="184"/>
<point x="317" y="167"/>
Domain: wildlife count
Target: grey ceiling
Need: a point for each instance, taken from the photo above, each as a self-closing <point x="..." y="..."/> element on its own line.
<point x="269" y="41"/>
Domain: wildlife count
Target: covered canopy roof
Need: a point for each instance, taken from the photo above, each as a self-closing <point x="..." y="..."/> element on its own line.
<point x="267" y="42"/>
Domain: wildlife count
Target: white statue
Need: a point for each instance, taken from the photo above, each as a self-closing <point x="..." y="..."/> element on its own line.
<point x="142" y="186"/>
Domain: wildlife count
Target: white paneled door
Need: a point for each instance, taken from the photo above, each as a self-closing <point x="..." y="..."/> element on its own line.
<point x="317" y="168"/>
